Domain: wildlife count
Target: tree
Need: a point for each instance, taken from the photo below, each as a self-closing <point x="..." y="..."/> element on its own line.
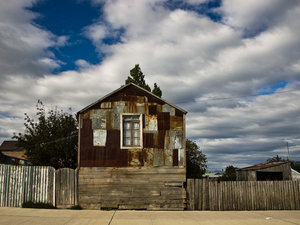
<point x="229" y="175"/>
<point x="195" y="159"/>
<point x="276" y="158"/>
<point x="52" y="140"/>
<point x="156" y="90"/>
<point x="137" y="77"/>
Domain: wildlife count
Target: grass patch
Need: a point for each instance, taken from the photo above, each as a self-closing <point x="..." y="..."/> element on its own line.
<point x="38" y="205"/>
<point x="75" y="207"/>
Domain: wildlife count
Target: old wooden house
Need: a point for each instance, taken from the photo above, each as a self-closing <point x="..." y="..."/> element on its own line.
<point x="132" y="152"/>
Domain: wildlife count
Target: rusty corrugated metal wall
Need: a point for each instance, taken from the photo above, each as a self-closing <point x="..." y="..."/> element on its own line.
<point x="163" y="132"/>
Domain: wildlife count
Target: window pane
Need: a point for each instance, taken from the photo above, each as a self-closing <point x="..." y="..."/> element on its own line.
<point x="136" y="141"/>
<point x="127" y="133"/>
<point x="136" y="125"/>
<point x="131" y="130"/>
<point x="127" y="141"/>
<point x="136" y="133"/>
<point x="127" y="125"/>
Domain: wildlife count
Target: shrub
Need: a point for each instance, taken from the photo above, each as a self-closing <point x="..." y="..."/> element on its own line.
<point x="38" y="205"/>
<point x="76" y="207"/>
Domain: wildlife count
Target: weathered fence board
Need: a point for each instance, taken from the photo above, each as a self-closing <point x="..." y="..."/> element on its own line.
<point x="20" y="184"/>
<point x="243" y="195"/>
<point x="66" y="187"/>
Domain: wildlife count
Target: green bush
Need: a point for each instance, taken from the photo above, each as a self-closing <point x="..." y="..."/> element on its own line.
<point x="38" y="205"/>
<point x="76" y="207"/>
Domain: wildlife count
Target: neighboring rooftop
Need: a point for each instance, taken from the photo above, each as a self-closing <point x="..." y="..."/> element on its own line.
<point x="262" y="166"/>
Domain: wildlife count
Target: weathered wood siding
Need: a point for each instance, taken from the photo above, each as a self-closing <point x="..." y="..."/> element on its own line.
<point x="203" y="194"/>
<point x="132" y="188"/>
<point x="20" y="184"/>
<point x="66" y="187"/>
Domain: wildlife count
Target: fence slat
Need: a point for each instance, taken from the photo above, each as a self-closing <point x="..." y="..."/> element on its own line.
<point x="19" y="184"/>
<point x="243" y="195"/>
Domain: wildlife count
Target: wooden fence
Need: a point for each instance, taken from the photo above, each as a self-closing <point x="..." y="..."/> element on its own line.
<point x="242" y="195"/>
<point x="65" y="187"/>
<point x="19" y="184"/>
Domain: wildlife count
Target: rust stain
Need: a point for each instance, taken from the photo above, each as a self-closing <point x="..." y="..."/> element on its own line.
<point x="176" y="123"/>
<point x="151" y="122"/>
<point x="131" y="107"/>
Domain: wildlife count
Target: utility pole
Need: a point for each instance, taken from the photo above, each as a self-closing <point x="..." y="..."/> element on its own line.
<point x="287" y="147"/>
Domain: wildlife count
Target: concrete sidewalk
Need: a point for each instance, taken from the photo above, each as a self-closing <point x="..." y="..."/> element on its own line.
<point x="15" y="216"/>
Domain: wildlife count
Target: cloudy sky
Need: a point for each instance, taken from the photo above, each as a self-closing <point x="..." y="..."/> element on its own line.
<point x="233" y="65"/>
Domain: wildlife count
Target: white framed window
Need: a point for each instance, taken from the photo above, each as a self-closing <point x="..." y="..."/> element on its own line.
<point x="131" y="130"/>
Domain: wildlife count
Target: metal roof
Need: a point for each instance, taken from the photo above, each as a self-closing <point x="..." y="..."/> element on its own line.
<point x="263" y="166"/>
<point x="123" y="87"/>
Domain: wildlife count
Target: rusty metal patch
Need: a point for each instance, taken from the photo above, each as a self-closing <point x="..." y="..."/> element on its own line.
<point x="168" y="157"/>
<point x="148" y="140"/>
<point x="135" y="157"/>
<point x="152" y="110"/>
<point x="105" y="105"/>
<point x="176" y="123"/>
<point x="175" y="157"/>
<point x="163" y="121"/>
<point x="150" y="122"/>
<point x="148" y="157"/>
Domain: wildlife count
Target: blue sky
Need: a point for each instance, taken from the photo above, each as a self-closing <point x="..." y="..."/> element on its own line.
<point x="233" y="65"/>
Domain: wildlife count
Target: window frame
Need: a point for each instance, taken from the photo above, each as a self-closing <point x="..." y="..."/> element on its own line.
<point x="140" y="146"/>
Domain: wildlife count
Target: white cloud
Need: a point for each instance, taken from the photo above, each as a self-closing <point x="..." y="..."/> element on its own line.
<point x="255" y="15"/>
<point x="192" y="58"/>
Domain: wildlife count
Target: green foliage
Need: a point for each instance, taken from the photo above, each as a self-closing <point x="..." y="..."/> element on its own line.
<point x="156" y="90"/>
<point x="137" y="77"/>
<point x="38" y="205"/>
<point x="276" y="158"/>
<point x="52" y="140"/>
<point x="76" y="207"/>
<point x="229" y="175"/>
<point x="195" y="159"/>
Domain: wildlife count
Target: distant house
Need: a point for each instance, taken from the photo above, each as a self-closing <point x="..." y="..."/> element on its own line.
<point x="265" y="171"/>
<point x="132" y="152"/>
<point x="12" y="154"/>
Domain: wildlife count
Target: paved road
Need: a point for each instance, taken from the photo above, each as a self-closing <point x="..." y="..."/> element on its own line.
<point x="16" y="216"/>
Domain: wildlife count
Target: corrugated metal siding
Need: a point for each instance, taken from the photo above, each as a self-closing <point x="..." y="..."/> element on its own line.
<point x="19" y="184"/>
<point x="163" y="130"/>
